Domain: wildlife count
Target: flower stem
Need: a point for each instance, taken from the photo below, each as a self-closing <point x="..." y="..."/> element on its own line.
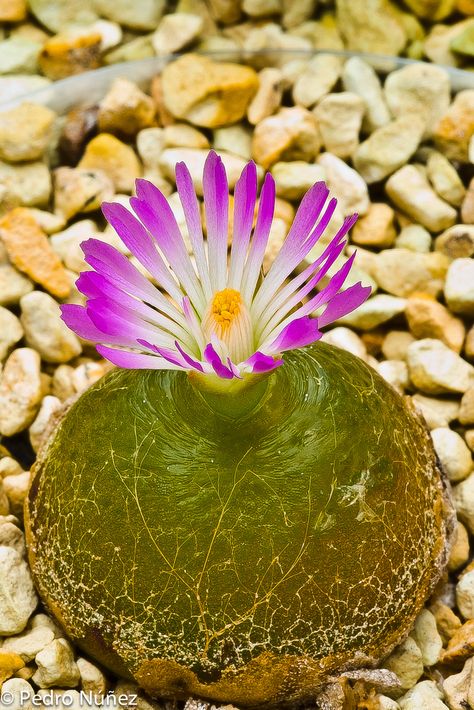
<point x="234" y="399"/>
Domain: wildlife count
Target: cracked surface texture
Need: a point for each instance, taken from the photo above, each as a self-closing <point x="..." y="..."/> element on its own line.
<point x="239" y="559"/>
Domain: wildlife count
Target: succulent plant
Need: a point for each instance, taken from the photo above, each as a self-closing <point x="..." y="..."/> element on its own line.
<point x="206" y="520"/>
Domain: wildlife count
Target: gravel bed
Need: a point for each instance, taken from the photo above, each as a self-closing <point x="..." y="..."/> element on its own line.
<point x="400" y="153"/>
<point x="46" y="40"/>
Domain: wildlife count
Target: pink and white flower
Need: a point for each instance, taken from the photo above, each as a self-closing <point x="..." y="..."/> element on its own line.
<point x="219" y="317"/>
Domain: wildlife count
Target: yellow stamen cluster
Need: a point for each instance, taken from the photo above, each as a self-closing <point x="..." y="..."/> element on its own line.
<point x="227" y="317"/>
<point x="226" y="306"/>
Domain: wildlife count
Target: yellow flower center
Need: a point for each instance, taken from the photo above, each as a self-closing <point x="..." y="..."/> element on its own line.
<point x="225" y="307"/>
<point x="228" y="317"/>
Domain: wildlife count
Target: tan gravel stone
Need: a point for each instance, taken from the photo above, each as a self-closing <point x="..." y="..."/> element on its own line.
<point x="56" y="666"/>
<point x="92" y="678"/>
<point x="297" y="12"/>
<point x="456" y="242"/>
<point x="360" y="78"/>
<point x="116" y="159"/>
<point x="465" y="6"/>
<point x="63" y="385"/>
<point x="469" y="438"/>
<point x="25" y="132"/>
<point x="87" y="373"/>
<point x="4" y="502"/>
<point x="175" y="31"/>
<point x="446" y="620"/>
<point x="453" y="131"/>
<point x="396" y="373"/>
<point x="374" y="27"/>
<point x="18" y="598"/>
<point x="125" y="109"/>
<point x="29" y="643"/>
<point x="463" y="496"/>
<point x="29" y="250"/>
<point x="347" y="340"/>
<point x="461" y="644"/>
<point x="12" y="10"/>
<point x="459" y="688"/>
<point x="460" y="551"/>
<point x="9" y="664"/>
<point x="386" y="703"/>
<point x="388" y="148"/>
<point x="44" y="329"/>
<point x="435" y="369"/>
<point x="415" y="238"/>
<point x="20" y="391"/>
<point x="465" y="595"/>
<point x="459" y="286"/>
<point x="375" y="311"/>
<point x="181" y="135"/>
<point x="466" y="412"/>
<point x="49" y="407"/>
<point x="141" y="15"/>
<point x="345" y="184"/>
<point x="150" y="145"/>
<point x="290" y="134"/>
<point x="12" y="536"/>
<point x="9" y="467"/>
<point x="45" y="620"/>
<point x="16" y="488"/>
<point x="436" y="412"/>
<point x="467" y="208"/>
<point x="25" y="184"/>
<point x="427" y="318"/>
<point x="445" y="179"/>
<point x="11" y="331"/>
<point x="395" y="344"/>
<point x="208" y="93"/>
<point x="49" y="222"/>
<point x="293" y="179"/>
<point x="410" y="190"/>
<point x="402" y="273"/>
<point x="340" y="120"/>
<point x="426" y="635"/>
<point x="407" y="662"/>
<point x="376" y="228"/>
<point x="424" y="695"/>
<point x="453" y="453"/>
<point x="69" y="53"/>
<point x="469" y="343"/>
<point x="268" y="96"/>
<point x="234" y="139"/>
<point x="419" y="89"/>
<point x="318" y="79"/>
<point x="431" y="9"/>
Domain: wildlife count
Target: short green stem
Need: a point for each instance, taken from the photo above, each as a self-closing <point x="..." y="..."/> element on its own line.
<point x="232" y="400"/>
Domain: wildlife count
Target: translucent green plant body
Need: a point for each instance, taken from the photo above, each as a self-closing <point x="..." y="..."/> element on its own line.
<point x="240" y="558"/>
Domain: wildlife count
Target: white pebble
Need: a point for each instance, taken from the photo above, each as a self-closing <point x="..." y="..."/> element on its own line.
<point x="453" y="453"/>
<point x="18" y="598"/>
<point x="56" y="666"/>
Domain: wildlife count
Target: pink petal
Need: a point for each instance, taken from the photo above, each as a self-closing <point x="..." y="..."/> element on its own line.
<point x="343" y="303"/>
<point x="245" y="197"/>
<point x="262" y="363"/>
<point x="133" y="361"/>
<point x="297" y="334"/>
<point x="216" y="206"/>
<point x="211" y="356"/>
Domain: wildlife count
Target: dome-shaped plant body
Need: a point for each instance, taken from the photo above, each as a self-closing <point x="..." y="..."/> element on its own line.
<point x="242" y="558"/>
